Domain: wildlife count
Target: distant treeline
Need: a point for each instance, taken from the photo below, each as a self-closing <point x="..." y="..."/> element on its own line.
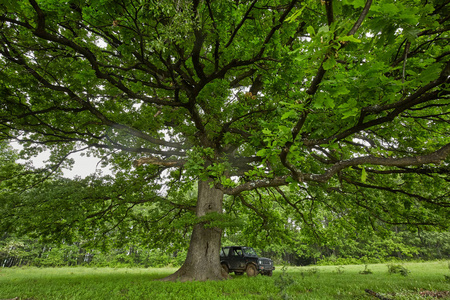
<point x="401" y="245"/>
<point x="15" y="251"/>
<point x="28" y="252"/>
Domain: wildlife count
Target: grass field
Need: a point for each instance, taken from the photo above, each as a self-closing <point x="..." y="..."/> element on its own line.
<point x="324" y="282"/>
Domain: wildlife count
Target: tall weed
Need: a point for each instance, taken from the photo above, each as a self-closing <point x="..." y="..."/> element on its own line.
<point x="283" y="282"/>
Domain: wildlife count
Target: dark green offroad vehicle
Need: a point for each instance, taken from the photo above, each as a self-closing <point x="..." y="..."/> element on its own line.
<point x="239" y="259"/>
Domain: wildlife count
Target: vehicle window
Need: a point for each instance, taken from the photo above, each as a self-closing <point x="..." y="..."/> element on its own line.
<point x="238" y="252"/>
<point x="225" y="251"/>
<point x="250" y="251"/>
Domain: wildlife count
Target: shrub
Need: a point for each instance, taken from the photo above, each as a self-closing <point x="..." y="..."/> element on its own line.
<point x="402" y="270"/>
<point x="366" y="271"/>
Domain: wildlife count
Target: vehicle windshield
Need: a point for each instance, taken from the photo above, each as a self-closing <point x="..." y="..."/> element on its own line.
<point x="250" y="251"/>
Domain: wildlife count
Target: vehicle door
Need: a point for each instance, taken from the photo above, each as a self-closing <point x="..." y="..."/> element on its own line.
<point x="236" y="257"/>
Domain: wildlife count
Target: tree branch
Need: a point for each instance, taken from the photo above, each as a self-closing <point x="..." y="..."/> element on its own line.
<point x="361" y="18"/>
<point x="329" y="9"/>
<point x="276" y="27"/>
<point x="251" y="185"/>
<point x="418" y="97"/>
<point x="394" y="191"/>
<point x="151" y="160"/>
<point x="434" y="157"/>
<point x="94" y="111"/>
<point x="41" y="32"/>
<point x="244" y="18"/>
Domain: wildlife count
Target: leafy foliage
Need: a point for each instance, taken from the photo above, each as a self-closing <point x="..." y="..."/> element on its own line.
<point x="311" y="112"/>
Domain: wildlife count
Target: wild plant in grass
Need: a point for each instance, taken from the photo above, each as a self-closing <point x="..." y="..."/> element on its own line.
<point x="366" y="270"/>
<point x="283" y="283"/>
<point x="302" y="274"/>
<point x="313" y="271"/>
<point x="339" y="270"/>
<point x="402" y="270"/>
<point x="447" y="277"/>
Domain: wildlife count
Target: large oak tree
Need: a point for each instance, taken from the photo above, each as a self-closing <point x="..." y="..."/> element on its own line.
<point x="344" y="102"/>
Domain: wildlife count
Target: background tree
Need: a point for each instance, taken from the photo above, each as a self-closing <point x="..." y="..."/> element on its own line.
<point x="343" y="102"/>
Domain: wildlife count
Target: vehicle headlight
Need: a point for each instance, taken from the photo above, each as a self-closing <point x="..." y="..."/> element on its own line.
<point x="260" y="262"/>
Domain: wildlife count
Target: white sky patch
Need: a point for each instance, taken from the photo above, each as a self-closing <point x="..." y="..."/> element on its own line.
<point x="137" y="105"/>
<point x="100" y="42"/>
<point x="83" y="166"/>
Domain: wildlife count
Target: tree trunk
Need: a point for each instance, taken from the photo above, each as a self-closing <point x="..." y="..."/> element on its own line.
<point x="203" y="261"/>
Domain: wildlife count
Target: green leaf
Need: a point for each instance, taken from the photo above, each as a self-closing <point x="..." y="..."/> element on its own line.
<point x="324" y="28"/>
<point x="288" y="114"/>
<point x="329" y="63"/>
<point x="329" y="102"/>
<point x="339" y="90"/>
<point x="296" y="14"/>
<point x="389" y="8"/>
<point x="363" y="175"/>
<point x="430" y="73"/>
<point x="349" y="38"/>
<point x="311" y="31"/>
<point x="323" y="100"/>
<point x="355" y="3"/>
<point x="266" y="131"/>
<point x="262" y="153"/>
<point x="411" y="33"/>
<point x="350" y="113"/>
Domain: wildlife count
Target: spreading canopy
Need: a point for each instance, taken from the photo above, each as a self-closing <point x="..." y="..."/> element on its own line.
<point x="346" y="102"/>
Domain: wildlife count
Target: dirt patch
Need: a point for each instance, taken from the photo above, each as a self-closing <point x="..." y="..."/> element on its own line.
<point x="435" y="294"/>
<point x="423" y="293"/>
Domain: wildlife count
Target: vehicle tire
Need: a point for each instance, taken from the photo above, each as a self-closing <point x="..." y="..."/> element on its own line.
<point x="251" y="270"/>
<point x="269" y="274"/>
<point x="225" y="267"/>
<point x="239" y="273"/>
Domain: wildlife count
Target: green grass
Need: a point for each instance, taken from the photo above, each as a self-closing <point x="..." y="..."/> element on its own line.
<point x="324" y="282"/>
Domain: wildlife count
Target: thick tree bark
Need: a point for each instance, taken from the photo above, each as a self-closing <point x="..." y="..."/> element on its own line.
<point x="203" y="261"/>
